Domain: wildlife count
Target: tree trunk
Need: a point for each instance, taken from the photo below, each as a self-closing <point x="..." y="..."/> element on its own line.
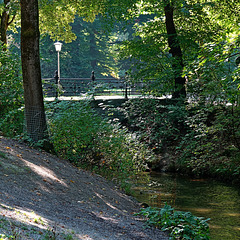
<point x="175" y="50"/>
<point x="33" y="95"/>
<point x="4" y="22"/>
<point x="93" y="51"/>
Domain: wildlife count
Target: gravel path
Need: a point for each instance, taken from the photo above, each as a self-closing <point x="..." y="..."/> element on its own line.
<point x="43" y="197"/>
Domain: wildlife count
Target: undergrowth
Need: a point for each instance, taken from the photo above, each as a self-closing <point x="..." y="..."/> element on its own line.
<point x="180" y="225"/>
<point x="89" y="141"/>
<point x="198" y="139"/>
<point x="11" y="94"/>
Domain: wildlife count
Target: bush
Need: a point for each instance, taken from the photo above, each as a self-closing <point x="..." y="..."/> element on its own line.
<point x="211" y="144"/>
<point x="180" y="225"/>
<point x="12" y="123"/>
<point x="11" y="94"/>
<point x="81" y="136"/>
<point x="202" y="139"/>
<point x="158" y="125"/>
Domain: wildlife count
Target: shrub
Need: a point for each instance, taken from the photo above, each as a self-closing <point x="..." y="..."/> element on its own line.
<point x="211" y="144"/>
<point x="11" y="94"/>
<point x="180" y="225"/>
<point x="83" y="137"/>
<point x="11" y="124"/>
<point x="158" y="124"/>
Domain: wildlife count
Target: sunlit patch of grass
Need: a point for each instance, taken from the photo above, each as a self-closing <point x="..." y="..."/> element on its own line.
<point x="237" y="228"/>
<point x="233" y="214"/>
<point x="202" y="210"/>
<point x="214" y="226"/>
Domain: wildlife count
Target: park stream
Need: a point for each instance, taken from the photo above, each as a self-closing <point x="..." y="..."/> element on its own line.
<point x="203" y="197"/>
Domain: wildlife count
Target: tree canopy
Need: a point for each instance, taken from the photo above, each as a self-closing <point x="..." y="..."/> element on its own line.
<point x="186" y="46"/>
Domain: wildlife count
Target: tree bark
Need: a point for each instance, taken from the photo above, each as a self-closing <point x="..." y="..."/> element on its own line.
<point x="33" y="95"/>
<point x="175" y="50"/>
<point x="4" y="22"/>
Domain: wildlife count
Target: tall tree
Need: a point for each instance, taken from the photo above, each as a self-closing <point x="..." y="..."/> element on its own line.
<point x="175" y="51"/>
<point x="178" y="27"/>
<point x="33" y="94"/>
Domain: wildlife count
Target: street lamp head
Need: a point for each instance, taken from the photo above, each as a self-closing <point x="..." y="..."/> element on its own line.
<point x="58" y="46"/>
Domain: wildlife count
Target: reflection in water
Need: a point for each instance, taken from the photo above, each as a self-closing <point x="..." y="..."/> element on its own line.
<point x="203" y="197"/>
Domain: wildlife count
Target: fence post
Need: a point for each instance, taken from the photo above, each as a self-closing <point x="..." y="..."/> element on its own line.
<point x="93" y="79"/>
<point x="75" y="87"/>
<point x="93" y="76"/>
<point x="56" y="84"/>
<point x="126" y="85"/>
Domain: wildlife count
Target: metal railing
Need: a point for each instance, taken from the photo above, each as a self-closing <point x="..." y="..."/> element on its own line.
<point x="99" y="87"/>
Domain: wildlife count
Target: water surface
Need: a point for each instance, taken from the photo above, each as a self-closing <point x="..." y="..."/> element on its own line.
<point x="203" y="197"/>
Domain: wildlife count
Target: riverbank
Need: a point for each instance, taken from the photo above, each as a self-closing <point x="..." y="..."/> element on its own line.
<point x="43" y="196"/>
<point x="200" y="140"/>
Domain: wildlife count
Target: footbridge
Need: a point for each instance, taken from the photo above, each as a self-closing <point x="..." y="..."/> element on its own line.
<point x="67" y="88"/>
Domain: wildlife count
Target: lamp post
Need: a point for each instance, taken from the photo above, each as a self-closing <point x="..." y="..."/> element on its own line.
<point x="58" y="47"/>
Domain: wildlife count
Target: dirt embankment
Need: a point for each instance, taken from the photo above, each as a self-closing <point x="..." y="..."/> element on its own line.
<point x="43" y="197"/>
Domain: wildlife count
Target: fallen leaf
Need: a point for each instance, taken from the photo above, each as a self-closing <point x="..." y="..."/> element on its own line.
<point x="45" y="180"/>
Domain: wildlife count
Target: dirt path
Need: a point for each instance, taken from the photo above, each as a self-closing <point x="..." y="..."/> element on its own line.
<point x="43" y="197"/>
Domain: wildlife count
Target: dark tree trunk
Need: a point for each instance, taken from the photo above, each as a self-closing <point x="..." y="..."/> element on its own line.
<point x="33" y="94"/>
<point x="175" y="50"/>
<point x="4" y="22"/>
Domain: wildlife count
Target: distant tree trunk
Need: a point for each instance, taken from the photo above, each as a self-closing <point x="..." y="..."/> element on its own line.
<point x="4" y="22"/>
<point x="175" y="50"/>
<point x="93" y="51"/>
<point x="33" y="94"/>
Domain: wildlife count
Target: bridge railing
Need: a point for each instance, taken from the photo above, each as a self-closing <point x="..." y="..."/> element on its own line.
<point x="99" y="87"/>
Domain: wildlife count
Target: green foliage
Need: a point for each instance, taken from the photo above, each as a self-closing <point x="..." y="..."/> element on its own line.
<point x="214" y="76"/>
<point x="195" y="22"/>
<point x="157" y="123"/>
<point x="93" y="50"/>
<point x="180" y="225"/>
<point x="73" y="128"/>
<point x="81" y="136"/>
<point x="11" y="94"/>
<point x="201" y="139"/>
<point x="11" y="124"/>
<point x="211" y="143"/>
